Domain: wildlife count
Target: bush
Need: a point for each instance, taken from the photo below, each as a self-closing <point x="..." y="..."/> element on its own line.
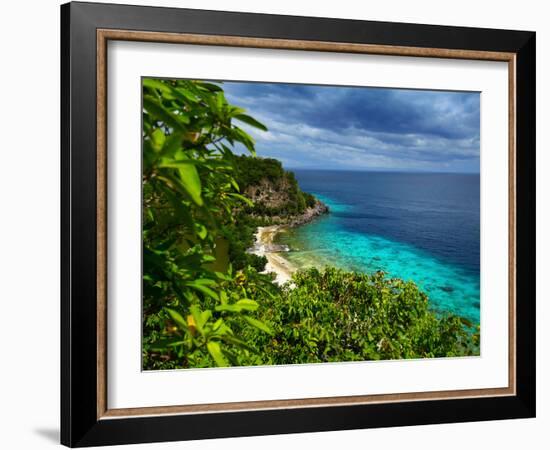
<point x="343" y="316"/>
<point x="194" y="302"/>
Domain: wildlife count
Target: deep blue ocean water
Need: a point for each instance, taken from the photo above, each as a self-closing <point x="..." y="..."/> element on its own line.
<point x="416" y="226"/>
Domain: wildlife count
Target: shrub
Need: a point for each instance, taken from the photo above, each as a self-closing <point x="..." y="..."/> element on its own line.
<point x="333" y="315"/>
<point x="194" y="303"/>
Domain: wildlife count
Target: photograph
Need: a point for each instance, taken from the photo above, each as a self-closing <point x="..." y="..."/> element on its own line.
<point x="304" y="224"/>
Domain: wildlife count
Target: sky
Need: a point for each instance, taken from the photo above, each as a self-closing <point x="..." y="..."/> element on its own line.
<point x="361" y="128"/>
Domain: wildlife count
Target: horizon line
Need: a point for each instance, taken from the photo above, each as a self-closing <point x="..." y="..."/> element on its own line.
<point x="382" y="170"/>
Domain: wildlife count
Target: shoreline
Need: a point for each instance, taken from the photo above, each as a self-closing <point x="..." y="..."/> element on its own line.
<point x="264" y="246"/>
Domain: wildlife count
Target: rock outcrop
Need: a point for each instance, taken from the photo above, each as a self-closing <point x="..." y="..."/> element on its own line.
<point x="309" y="214"/>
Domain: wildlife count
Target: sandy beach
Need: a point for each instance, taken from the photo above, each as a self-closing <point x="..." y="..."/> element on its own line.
<point x="276" y="263"/>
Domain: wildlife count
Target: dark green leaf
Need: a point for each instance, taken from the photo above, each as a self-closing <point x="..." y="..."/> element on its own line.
<point x="250" y="121"/>
<point x="258" y="324"/>
<point x="158" y="112"/>
<point x="176" y="317"/>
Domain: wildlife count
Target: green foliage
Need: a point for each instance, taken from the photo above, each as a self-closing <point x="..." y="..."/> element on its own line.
<point x="341" y="316"/>
<point x="251" y="171"/>
<point x="255" y="174"/>
<point x="194" y="303"/>
<point x="309" y="199"/>
<point x="240" y="236"/>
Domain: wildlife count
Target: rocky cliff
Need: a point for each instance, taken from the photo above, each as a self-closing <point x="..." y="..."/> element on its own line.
<point x="275" y="192"/>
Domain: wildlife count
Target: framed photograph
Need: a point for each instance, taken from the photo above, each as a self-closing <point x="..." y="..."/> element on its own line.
<point x="276" y="224"/>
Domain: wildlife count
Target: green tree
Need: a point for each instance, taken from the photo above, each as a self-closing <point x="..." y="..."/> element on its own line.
<point x="194" y="303"/>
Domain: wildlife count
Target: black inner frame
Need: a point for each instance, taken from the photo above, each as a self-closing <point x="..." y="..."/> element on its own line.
<point x="79" y="424"/>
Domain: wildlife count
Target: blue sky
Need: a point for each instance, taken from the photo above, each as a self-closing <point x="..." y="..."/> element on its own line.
<point x="349" y="128"/>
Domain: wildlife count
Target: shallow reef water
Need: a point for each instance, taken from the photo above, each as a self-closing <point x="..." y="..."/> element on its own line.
<point x="419" y="227"/>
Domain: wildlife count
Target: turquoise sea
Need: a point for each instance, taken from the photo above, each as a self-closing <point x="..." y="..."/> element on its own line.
<point x="419" y="227"/>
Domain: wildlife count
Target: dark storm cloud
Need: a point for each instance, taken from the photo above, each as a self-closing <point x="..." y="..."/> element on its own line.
<point x="367" y="128"/>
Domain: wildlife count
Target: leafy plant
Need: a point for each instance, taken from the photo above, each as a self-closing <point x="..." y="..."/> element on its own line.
<point x="333" y="315"/>
<point x="194" y="304"/>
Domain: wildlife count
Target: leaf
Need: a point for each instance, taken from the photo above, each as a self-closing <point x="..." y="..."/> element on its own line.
<point x="199" y="318"/>
<point x="243" y="137"/>
<point x="250" y="121"/>
<point x="155" y="109"/>
<point x="258" y="324"/>
<point x="189" y="177"/>
<point x="201" y="230"/>
<point x="172" y="144"/>
<point x="242" y="197"/>
<point x="210" y="86"/>
<point x="216" y="352"/>
<point x="191" y="182"/>
<point x="176" y="317"/>
<point x="164" y="344"/>
<point x="234" y="184"/>
<point x="202" y="288"/>
<point x="186" y="94"/>
<point x="205" y="317"/>
<point x="219" y="101"/>
<point x="228" y="308"/>
<point x="169" y="163"/>
<point x="206" y="281"/>
<point x="248" y="304"/>
<point x="156" y="84"/>
<point x="157" y="139"/>
<point x="235" y="110"/>
<point x="217" y="324"/>
<point x="222" y="329"/>
<point x="223" y="276"/>
<point x="238" y="342"/>
<point x="182" y="116"/>
<point x="208" y="258"/>
<point x="223" y="296"/>
<point x="244" y="304"/>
